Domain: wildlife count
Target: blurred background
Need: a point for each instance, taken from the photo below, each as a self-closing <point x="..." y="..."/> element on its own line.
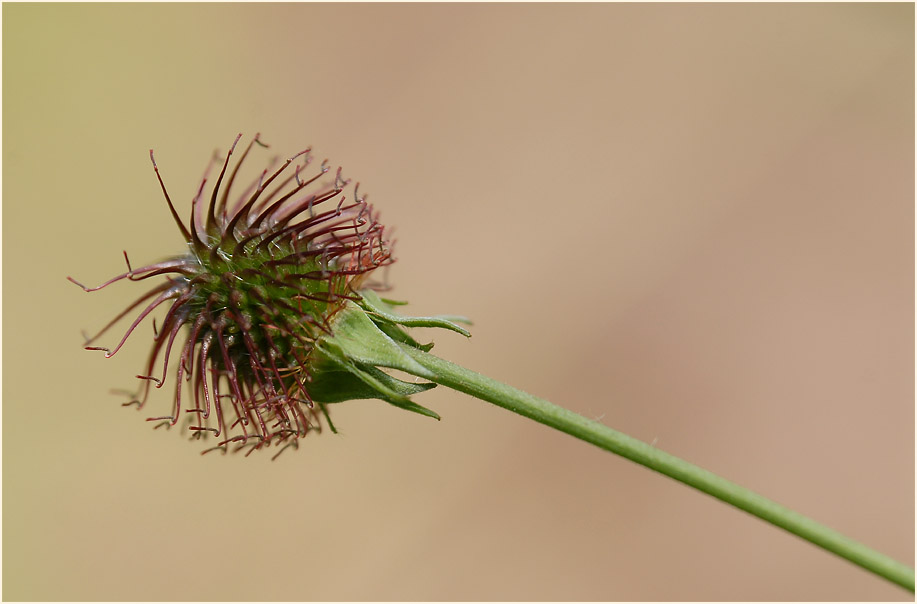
<point x="692" y="222"/>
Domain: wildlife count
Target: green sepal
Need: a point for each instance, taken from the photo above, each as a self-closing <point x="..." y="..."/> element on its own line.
<point x="399" y="335"/>
<point x="366" y="336"/>
<point x="342" y="378"/>
<point x="336" y="386"/>
<point x="381" y="381"/>
<point x="324" y="409"/>
<point x="378" y="308"/>
<point x="355" y="337"/>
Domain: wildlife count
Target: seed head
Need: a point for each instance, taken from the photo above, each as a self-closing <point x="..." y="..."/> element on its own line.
<point x="265" y="271"/>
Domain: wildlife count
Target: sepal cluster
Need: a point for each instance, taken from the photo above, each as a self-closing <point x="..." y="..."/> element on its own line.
<point x="367" y="336"/>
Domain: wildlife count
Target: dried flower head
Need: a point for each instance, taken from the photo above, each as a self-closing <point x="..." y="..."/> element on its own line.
<point x="265" y="272"/>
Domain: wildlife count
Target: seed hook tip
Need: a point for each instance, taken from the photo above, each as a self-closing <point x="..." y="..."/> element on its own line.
<point x="74" y="281"/>
<point x="151" y="378"/>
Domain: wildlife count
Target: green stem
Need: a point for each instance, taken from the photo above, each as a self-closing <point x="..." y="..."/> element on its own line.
<point x="540" y="410"/>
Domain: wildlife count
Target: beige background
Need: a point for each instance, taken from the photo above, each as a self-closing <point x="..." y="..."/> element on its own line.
<point x="693" y="222"/>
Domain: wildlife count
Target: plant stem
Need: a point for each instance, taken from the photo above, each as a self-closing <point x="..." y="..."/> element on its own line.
<point x="540" y="410"/>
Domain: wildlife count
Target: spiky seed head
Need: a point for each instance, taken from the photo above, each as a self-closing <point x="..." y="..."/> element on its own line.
<point x="265" y="271"/>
